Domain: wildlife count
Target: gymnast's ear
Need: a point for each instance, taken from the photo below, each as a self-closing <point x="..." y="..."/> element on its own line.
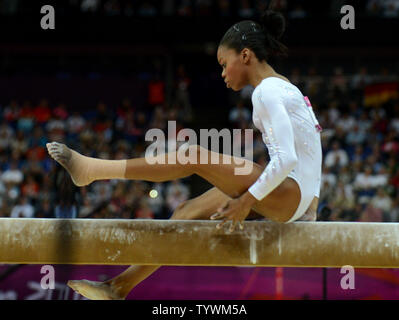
<point x="245" y="55"/>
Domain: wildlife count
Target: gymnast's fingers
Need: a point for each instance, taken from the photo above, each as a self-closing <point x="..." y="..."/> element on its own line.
<point x="217" y="215"/>
<point x="220" y="225"/>
<point x="232" y="226"/>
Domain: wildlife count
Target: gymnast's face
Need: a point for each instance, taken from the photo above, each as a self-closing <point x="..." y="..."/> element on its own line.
<point x="234" y="67"/>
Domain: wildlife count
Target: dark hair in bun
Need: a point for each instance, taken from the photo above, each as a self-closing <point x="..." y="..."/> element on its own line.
<point x="262" y="38"/>
<point x="273" y="23"/>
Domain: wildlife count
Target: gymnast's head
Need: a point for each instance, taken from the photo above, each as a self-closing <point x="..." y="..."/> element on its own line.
<point x="249" y="44"/>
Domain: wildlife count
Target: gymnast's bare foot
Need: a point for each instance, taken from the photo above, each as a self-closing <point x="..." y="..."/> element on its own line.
<point x="94" y="290"/>
<point x="77" y="165"/>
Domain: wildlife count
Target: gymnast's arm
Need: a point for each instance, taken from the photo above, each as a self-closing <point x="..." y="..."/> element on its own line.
<point x="275" y="119"/>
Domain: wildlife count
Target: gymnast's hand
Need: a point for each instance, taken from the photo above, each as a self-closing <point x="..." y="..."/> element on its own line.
<point x="235" y="210"/>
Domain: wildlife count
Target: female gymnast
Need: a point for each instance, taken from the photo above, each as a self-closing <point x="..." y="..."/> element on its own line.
<point x="286" y="190"/>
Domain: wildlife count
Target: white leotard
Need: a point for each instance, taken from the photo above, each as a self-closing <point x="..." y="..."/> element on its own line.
<point x="292" y="136"/>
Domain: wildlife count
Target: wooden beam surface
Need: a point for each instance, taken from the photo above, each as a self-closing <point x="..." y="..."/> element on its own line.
<point x="199" y="243"/>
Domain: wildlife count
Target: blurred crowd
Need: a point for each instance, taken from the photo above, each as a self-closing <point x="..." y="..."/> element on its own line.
<point x="246" y="9"/>
<point x="360" y="141"/>
<point x="34" y="185"/>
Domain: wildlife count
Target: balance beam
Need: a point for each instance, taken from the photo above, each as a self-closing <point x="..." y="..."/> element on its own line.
<point x="198" y="243"/>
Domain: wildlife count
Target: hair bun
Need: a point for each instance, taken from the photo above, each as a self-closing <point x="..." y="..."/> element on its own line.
<point x="274" y="23"/>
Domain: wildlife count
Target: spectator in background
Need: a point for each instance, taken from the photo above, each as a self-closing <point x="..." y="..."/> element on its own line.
<point x="144" y="210"/>
<point x="394" y="123"/>
<point x="87" y="206"/>
<point x="239" y="114"/>
<point x="393" y="172"/>
<point x="383" y="202"/>
<point x="338" y="81"/>
<point x="12" y="112"/>
<point x="355" y="137"/>
<point x="381" y="177"/>
<point x="102" y="116"/>
<point x="371" y="214"/>
<point x="345" y="175"/>
<point x="159" y="119"/>
<point x="344" y="198"/>
<point x="328" y="178"/>
<point x="118" y="199"/>
<point x="246" y="93"/>
<point x="364" y="184"/>
<point x="30" y="188"/>
<point x="61" y="112"/>
<point x="336" y="157"/>
<point x="6" y="136"/>
<point x="156" y="91"/>
<point x="176" y="193"/>
<point x="90" y="5"/>
<point x="313" y="82"/>
<point x="19" y="143"/>
<point x="393" y="214"/>
<point x="296" y="78"/>
<point x="358" y="155"/>
<point x="38" y="138"/>
<point x="390" y="144"/>
<point x="361" y="79"/>
<point x="141" y="125"/>
<point x="3" y="202"/>
<point x="25" y="121"/>
<point x="390" y="8"/>
<point x="42" y="112"/>
<point x="44" y="209"/>
<point x="23" y="209"/>
<point x="13" y="175"/>
<point x="182" y="98"/>
<point x="364" y="123"/>
<point x="346" y="122"/>
<point x="333" y="111"/>
<point x="56" y="128"/>
<point x="75" y="125"/>
<point x="102" y="191"/>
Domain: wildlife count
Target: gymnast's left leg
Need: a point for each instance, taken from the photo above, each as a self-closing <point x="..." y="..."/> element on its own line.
<point x="160" y="168"/>
<point x="279" y="205"/>
<point x="117" y="288"/>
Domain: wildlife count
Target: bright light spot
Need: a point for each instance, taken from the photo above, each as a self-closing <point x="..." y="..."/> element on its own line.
<point x="153" y="193"/>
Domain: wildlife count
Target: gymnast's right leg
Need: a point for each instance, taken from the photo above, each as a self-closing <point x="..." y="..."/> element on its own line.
<point x="117" y="288"/>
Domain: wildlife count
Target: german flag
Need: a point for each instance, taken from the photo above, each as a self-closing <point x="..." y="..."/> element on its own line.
<point x="379" y="93"/>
